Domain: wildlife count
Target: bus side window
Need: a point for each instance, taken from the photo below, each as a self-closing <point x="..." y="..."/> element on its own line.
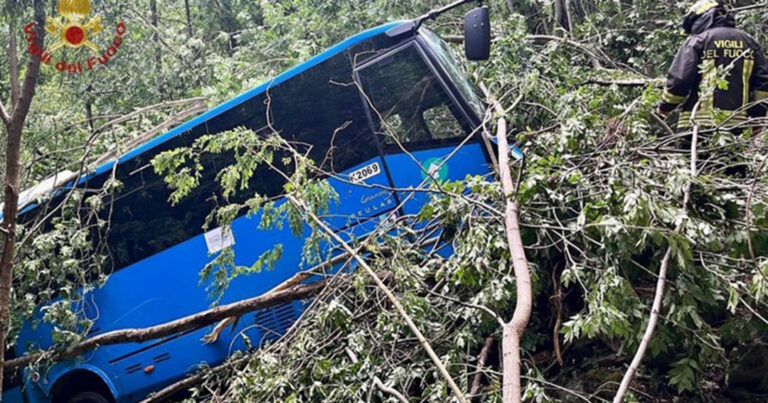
<point x="409" y="102"/>
<point x="320" y="111"/>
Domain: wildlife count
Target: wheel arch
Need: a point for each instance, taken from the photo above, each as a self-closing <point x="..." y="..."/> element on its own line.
<point x="64" y="384"/>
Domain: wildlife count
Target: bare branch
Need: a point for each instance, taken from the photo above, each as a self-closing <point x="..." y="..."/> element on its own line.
<point x="636" y="82"/>
<point x="477" y="381"/>
<point x="168" y="123"/>
<point x="191" y="381"/>
<point x="27" y="91"/>
<point x="146" y="109"/>
<point x="4" y="115"/>
<point x="377" y="381"/>
<point x="514" y="329"/>
<point x="749" y="8"/>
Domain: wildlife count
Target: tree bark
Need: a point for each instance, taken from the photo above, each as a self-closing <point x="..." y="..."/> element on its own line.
<point x="13" y="61"/>
<point x="510" y="6"/>
<point x="186" y="383"/>
<point x="89" y="115"/>
<point x="228" y="23"/>
<point x="14" y="126"/>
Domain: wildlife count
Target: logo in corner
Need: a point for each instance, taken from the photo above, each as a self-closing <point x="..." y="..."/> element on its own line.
<point x="437" y="169"/>
<point x="69" y="27"/>
<point x="74" y="29"/>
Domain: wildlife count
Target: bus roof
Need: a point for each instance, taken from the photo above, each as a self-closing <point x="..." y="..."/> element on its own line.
<point x="232" y="103"/>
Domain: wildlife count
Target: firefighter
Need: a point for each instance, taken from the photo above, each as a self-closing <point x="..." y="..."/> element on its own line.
<point x="716" y="49"/>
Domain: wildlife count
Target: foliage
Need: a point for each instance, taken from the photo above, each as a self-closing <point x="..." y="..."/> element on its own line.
<point x="600" y="196"/>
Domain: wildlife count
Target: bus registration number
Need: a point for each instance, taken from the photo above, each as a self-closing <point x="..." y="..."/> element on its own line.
<point x="365" y="172"/>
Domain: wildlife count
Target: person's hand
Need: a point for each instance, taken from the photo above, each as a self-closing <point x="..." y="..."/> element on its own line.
<point x="756" y="131"/>
<point x="661" y="112"/>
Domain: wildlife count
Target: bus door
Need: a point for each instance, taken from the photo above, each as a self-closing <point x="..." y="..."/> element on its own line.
<point x="427" y="138"/>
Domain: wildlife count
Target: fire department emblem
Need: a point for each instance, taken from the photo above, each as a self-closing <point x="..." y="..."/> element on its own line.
<point x="71" y="27"/>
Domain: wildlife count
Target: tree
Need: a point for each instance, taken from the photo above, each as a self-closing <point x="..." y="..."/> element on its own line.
<point x="13" y="120"/>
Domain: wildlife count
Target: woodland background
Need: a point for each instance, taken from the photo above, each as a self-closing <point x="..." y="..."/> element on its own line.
<point x="600" y="199"/>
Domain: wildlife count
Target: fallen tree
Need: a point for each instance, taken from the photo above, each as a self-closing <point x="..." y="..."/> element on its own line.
<point x="188" y="323"/>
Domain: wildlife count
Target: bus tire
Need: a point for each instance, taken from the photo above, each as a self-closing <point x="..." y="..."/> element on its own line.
<point x="88" y="397"/>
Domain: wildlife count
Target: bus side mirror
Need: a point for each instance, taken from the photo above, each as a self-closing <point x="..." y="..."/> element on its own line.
<point x="477" y="34"/>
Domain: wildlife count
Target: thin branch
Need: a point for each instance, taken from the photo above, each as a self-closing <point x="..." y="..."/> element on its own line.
<point x="748" y="218"/>
<point x="661" y="282"/>
<point x="663" y="124"/>
<point x="628" y="82"/>
<point x="749" y="8"/>
<point x="558" y="299"/>
<point x="477" y="381"/>
<point x="191" y="381"/>
<point x="168" y="123"/>
<point x="377" y="381"/>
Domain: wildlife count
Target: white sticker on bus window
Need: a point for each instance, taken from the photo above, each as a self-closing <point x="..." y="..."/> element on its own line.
<point x="365" y="172"/>
<point x="218" y="239"/>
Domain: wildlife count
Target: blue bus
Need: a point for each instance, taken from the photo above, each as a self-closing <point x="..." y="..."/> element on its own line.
<point x="400" y="76"/>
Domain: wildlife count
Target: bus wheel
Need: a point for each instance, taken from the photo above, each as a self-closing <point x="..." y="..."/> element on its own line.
<point x="88" y="397"/>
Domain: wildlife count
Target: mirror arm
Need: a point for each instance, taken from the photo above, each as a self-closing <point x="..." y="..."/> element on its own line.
<point x="433" y="14"/>
<point x="415" y="24"/>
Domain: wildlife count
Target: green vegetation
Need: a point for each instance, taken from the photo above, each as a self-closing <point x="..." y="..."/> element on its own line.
<point x="601" y="196"/>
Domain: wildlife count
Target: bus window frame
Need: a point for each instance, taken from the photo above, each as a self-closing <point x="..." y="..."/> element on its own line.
<point x="443" y="79"/>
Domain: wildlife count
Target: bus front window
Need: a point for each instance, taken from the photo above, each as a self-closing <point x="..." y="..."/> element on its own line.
<point x="450" y="63"/>
<point x="409" y="103"/>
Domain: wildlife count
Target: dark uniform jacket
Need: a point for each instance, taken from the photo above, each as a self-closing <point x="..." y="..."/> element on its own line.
<point x="723" y="70"/>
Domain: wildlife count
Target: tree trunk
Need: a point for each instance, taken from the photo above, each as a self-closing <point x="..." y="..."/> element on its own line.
<point x="8" y="227"/>
<point x="89" y="115"/>
<point x="14" y="125"/>
<point x="228" y="23"/>
<point x="477" y="381"/>
<point x="561" y="14"/>
<point x="188" y="15"/>
<point x="155" y="37"/>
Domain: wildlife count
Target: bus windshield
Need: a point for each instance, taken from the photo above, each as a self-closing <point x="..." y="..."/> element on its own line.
<point x="451" y="64"/>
